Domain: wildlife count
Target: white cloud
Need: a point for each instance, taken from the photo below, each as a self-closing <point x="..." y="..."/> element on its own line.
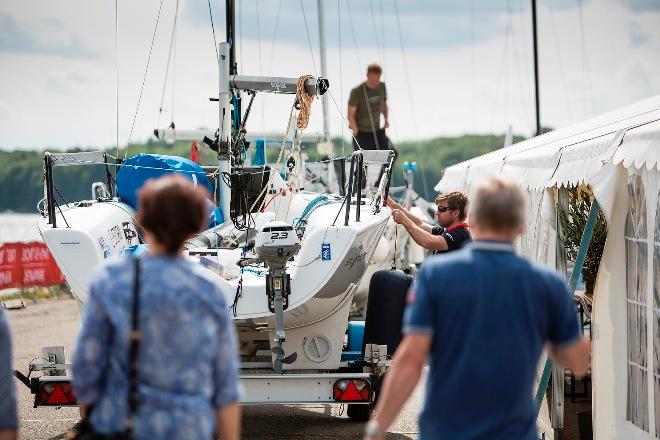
<point x="456" y="88"/>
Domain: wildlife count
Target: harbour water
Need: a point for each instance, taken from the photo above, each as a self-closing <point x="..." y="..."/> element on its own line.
<point x="18" y="227"/>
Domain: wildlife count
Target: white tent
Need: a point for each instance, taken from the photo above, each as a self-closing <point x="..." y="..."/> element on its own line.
<point x="618" y="156"/>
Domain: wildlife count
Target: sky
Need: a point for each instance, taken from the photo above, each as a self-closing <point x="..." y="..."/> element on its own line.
<point x="451" y="67"/>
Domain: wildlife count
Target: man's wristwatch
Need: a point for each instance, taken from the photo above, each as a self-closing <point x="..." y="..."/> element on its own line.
<point x="372" y="429"/>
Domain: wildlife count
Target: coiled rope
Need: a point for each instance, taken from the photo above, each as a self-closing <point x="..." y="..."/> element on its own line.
<point x="304" y="102"/>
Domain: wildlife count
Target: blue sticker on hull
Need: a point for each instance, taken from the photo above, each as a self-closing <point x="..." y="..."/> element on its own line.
<point x="326" y="254"/>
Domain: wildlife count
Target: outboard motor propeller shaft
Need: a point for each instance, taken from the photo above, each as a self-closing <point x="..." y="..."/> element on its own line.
<point x="277" y="243"/>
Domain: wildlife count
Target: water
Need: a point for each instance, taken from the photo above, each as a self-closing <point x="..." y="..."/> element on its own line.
<point x="19" y="227"/>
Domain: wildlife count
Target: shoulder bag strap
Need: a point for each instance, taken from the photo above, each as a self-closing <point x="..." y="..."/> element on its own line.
<point x="133" y="350"/>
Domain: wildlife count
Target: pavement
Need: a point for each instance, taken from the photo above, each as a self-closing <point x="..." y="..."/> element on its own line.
<point x="56" y="322"/>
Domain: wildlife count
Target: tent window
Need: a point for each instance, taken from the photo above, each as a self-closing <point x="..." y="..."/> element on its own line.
<point x="636" y="295"/>
<point x="656" y="318"/>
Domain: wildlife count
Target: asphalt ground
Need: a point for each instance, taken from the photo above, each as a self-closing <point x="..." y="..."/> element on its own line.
<point x="56" y="322"/>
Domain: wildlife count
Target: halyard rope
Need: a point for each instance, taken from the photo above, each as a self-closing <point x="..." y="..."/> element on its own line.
<point x="304" y="101"/>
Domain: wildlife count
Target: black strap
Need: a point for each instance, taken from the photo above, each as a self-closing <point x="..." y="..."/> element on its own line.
<point x="133" y="350"/>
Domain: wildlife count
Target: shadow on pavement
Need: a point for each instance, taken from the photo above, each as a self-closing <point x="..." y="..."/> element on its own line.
<point x="277" y="421"/>
<point x="281" y="422"/>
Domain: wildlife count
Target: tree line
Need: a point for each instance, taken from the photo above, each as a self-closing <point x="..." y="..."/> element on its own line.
<point x="21" y="171"/>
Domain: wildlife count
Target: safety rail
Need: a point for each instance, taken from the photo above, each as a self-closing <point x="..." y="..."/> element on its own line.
<point x="52" y="160"/>
<point x="385" y="157"/>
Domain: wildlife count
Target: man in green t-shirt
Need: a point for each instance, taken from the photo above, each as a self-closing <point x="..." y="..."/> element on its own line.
<point x="365" y="105"/>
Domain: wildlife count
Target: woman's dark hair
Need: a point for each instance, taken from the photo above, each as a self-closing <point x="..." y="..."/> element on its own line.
<point x="172" y="209"/>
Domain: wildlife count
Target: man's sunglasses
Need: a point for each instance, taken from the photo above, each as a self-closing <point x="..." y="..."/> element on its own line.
<point x="444" y="209"/>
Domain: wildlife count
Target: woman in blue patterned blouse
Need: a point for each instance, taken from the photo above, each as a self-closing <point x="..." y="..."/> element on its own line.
<point x="188" y="360"/>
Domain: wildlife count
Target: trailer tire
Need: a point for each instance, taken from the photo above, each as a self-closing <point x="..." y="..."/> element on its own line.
<point x="360" y="413"/>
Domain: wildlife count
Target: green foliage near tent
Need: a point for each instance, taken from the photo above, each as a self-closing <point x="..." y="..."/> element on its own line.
<point x="434" y="155"/>
<point x="573" y="223"/>
<point x="21" y="172"/>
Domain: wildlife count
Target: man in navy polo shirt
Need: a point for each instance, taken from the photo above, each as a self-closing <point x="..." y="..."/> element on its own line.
<point x="482" y="317"/>
<point x="451" y="232"/>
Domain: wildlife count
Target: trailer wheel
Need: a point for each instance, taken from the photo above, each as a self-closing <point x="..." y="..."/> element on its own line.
<point x="360" y="413"/>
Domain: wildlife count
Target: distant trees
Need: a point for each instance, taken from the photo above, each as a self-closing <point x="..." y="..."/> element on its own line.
<point x="21" y="172"/>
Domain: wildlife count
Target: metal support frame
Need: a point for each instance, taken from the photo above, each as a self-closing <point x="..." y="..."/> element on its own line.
<point x="558" y="385"/>
<point x="342" y="175"/>
<point x="224" y="116"/>
<point x="50" y="197"/>
<point x="171" y="135"/>
<point x="276" y="84"/>
<point x="278" y="285"/>
<point x="230" y="22"/>
<point x="579" y="262"/>
<point x="108" y="176"/>
<point x="349" y="193"/>
<point x="389" y="178"/>
<point x="360" y="171"/>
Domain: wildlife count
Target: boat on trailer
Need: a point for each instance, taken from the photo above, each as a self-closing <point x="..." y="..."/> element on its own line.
<point x="289" y="260"/>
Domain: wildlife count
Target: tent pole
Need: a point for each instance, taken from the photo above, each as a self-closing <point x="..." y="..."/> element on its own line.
<point x="579" y="262"/>
<point x="557" y="412"/>
<point x="536" y="70"/>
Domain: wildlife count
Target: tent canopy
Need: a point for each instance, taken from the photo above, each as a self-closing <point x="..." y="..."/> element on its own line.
<point x="571" y="155"/>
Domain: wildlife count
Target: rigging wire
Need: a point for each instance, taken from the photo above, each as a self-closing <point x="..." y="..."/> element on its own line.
<point x="379" y="46"/>
<point x="355" y="44"/>
<point x="176" y="32"/>
<point x="382" y="33"/>
<point x="240" y="30"/>
<point x="561" y="63"/>
<point x="276" y="29"/>
<point x="472" y="65"/>
<point x="117" y="77"/>
<point x="586" y="72"/>
<point x="260" y="57"/>
<point x="309" y="39"/>
<point x="341" y="82"/>
<point x="343" y="118"/>
<point x="525" y="79"/>
<point x="499" y="76"/>
<point x="507" y="110"/>
<point x="526" y="91"/>
<point x="144" y="78"/>
<point x="167" y="68"/>
<point x="215" y="41"/>
<point x="410" y="99"/>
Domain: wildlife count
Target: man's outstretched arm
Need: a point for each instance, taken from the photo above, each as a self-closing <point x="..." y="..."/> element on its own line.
<point x="423" y="238"/>
<point x="402" y="377"/>
<point x="576" y="356"/>
<point x="416" y="220"/>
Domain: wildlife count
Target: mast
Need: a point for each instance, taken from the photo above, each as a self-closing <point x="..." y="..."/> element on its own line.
<point x="324" y="70"/>
<point x="224" y="127"/>
<point x="536" y="70"/>
<point x="230" y="8"/>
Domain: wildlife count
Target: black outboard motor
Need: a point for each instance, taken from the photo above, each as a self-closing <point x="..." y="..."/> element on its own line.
<point x="386" y="303"/>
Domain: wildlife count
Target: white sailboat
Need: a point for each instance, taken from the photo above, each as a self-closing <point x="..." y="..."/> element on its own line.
<point x="338" y="236"/>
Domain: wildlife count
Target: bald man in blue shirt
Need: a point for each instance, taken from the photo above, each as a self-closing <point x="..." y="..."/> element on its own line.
<point x="482" y="317"/>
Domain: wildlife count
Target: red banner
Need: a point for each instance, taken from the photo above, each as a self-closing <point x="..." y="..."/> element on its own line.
<point x="28" y="264"/>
